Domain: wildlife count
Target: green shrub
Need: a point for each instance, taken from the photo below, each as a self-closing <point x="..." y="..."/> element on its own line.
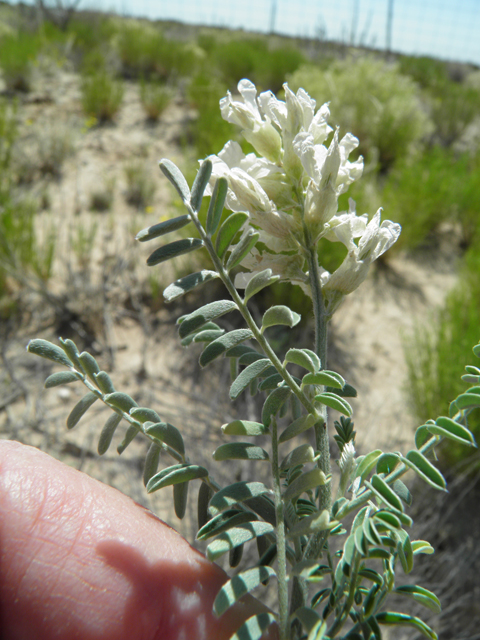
<point x="17" y="53"/>
<point x="155" y="98"/>
<point x="436" y="353"/>
<point x="453" y="106"/>
<point x="144" y="52"/>
<point x="374" y="101"/>
<point x="438" y="186"/>
<point x="101" y="95"/>
<point x="208" y="132"/>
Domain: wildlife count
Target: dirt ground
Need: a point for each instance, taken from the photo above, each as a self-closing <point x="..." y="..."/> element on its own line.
<point x="96" y="298"/>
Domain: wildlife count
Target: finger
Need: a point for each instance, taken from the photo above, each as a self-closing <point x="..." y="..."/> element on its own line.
<point x="79" y="560"/>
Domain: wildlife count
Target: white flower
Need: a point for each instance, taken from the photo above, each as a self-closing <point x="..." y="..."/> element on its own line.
<point x="375" y="239"/>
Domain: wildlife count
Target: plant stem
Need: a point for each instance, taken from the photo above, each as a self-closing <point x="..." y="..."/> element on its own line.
<point x="281" y="544"/>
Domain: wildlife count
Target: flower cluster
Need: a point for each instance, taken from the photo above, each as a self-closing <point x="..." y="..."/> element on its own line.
<point x="290" y="189"/>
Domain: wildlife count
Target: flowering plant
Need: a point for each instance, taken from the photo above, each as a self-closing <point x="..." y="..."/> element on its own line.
<point x="282" y="202"/>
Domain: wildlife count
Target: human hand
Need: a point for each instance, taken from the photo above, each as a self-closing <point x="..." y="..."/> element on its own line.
<point x="80" y="561"/>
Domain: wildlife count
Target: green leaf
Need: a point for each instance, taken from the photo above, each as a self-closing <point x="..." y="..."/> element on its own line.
<point x="387" y="462"/>
<point x="229" y="229"/>
<point x="245" y="377"/>
<point x="258" y="282"/>
<point x="130" y="435"/>
<point x="225" y="521"/>
<point x="405" y="552"/>
<point x="302" y="454"/>
<point x="238" y="586"/>
<point x="422" y="546"/>
<point x="254" y="627"/>
<point x="121" y="401"/>
<point x="273" y="403"/>
<point x="366" y="464"/>
<point x="402" y="619"/>
<point x="173" y="249"/>
<point x="235" y="556"/>
<point x="62" y="377"/>
<point x="173" y="173"/>
<point x="180" y="498"/>
<point x="347" y="391"/>
<point x="421" y="595"/>
<point x="151" y="462"/>
<point x="270" y="382"/>
<point x="422" y="435"/>
<point x="217" y="202"/>
<point x="335" y="402"/>
<point x="318" y="631"/>
<point x="104" y="382"/>
<point x="476" y="350"/>
<point x="308" y="617"/>
<point x="325" y="378"/>
<point x="239" y="451"/>
<point x="50" y="351"/>
<point x="448" y="428"/>
<point x="246" y="243"/>
<point x="167" y="433"/>
<point x="467" y="401"/>
<point x="176" y="474"/>
<point x="222" y="344"/>
<point x="160" y="229"/>
<point x="72" y="352"/>
<point x="425" y="469"/>
<point x="89" y="364"/>
<point x="402" y="491"/>
<point x="80" y="408"/>
<point x="193" y="321"/>
<point x="383" y="491"/>
<point x="205" y="492"/>
<point x="186" y="284"/>
<point x="307" y="481"/>
<point x="237" y="536"/>
<point x="318" y="521"/>
<point x="279" y="314"/>
<point x="107" y="432"/>
<point x="388" y="519"/>
<point x="237" y="492"/>
<point x="143" y="414"/>
<point x="244" y="428"/>
<point x="208" y="335"/>
<point x="296" y="427"/>
<point x="200" y="184"/>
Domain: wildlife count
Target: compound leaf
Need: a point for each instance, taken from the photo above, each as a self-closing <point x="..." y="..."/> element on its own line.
<point x="334" y="401"/>
<point x="246" y="376"/>
<point x="237" y="536"/>
<point x="222" y="344"/>
<point x="246" y="243"/>
<point x="244" y="428"/>
<point x="402" y="619"/>
<point x="239" y="451"/>
<point x="46" y="349"/>
<point x="62" y="377"/>
<point x="167" y="433"/>
<point x="176" y="474"/>
<point x="107" y="432"/>
<point x="180" y="498"/>
<point x="233" y="493"/>
<point x="305" y="482"/>
<point x="200" y="184"/>
<point x="254" y="627"/>
<point x="258" y="282"/>
<point x="425" y="469"/>
<point x="229" y="229"/>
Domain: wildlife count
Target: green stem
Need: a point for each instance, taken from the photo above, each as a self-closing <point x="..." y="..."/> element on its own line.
<point x="281" y="543"/>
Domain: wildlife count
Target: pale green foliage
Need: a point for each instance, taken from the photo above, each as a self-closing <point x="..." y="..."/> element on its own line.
<point x="374" y="101"/>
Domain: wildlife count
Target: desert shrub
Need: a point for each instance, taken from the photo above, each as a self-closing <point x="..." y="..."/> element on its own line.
<point x="17" y="53"/>
<point x="155" y="98"/>
<point x="374" y="101"/>
<point x="436" y="352"/>
<point x="251" y="57"/>
<point x="427" y="72"/>
<point x="140" y="185"/>
<point x="101" y="95"/>
<point x="208" y="131"/>
<point x="145" y="52"/>
<point x="438" y="186"/>
<point x="453" y="106"/>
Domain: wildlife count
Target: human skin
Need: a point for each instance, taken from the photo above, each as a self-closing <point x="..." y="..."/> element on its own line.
<point x="81" y="561"/>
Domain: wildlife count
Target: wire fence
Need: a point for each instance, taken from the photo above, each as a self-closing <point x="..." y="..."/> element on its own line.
<point x="445" y="29"/>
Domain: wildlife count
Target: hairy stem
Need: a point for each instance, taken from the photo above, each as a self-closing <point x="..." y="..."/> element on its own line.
<point x="281" y="543"/>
